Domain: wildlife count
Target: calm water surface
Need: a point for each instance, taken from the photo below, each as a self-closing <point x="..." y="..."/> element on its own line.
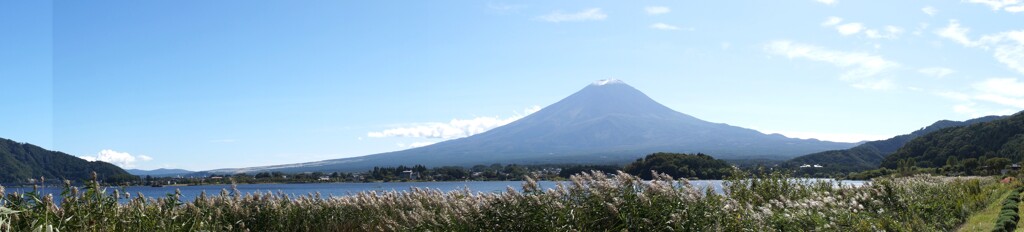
<point x="343" y="189"/>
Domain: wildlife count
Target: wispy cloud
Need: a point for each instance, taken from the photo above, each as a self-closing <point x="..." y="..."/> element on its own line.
<point x="854" y="28"/>
<point x="1003" y="91"/>
<point x="1007" y="47"/>
<point x="1004" y="95"/>
<point x="1012" y="6"/>
<point x="657" y="10"/>
<point x="974" y="110"/>
<point x="832" y="21"/>
<point x="890" y="32"/>
<point x="592" y="14"/>
<point x="122" y="159"/>
<point x="456" y="128"/>
<point x="668" y="27"/>
<point x="956" y="33"/>
<point x="862" y="70"/>
<point x="936" y="71"/>
<point x="850" y="28"/>
<point x="828" y="2"/>
<point x="929" y="10"/>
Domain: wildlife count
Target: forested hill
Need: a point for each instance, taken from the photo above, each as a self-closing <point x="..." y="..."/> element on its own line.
<point x="998" y="138"/>
<point x="679" y="165"/>
<point x="21" y="161"/>
<point x="871" y="154"/>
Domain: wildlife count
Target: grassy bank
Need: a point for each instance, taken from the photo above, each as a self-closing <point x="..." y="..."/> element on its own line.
<point x="982" y="221"/>
<point x="592" y="201"/>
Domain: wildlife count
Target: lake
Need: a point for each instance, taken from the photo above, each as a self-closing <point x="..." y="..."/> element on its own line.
<point x="343" y="189"/>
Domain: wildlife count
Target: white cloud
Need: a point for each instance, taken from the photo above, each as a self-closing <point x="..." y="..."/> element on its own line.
<point x="585" y="15"/>
<point x="893" y="30"/>
<point x="456" y="128"/>
<point x="828" y="2"/>
<point x="122" y="159"/>
<point x="657" y="10"/>
<point x="931" y="11"/>
<point x="874" y="34"/>
<point x="832" y="21"/>
<point x="664" y="26"/>
<point x="974" y="110"/>
<point x="1009" y="87"/>
<point x="1004" y="95"/>
<point x="854" y="28"/>
<point x="850" y="28"/>
<point x="1017" y="103"/>
<point x="936" y="71"/>
<point x="965" y="105"/>
<point x="861" y="70"/>
<point x="1007" y="47"/>
<point x="890" y="32"/>
<point x="1012" y="6"/>
<point x="956" y="33"/>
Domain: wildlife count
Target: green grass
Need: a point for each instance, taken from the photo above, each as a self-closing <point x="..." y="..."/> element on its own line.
<point x="1020" y="228"/>
<point x="982" y="221"/>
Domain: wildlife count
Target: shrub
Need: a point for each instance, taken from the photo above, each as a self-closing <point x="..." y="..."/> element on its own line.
<point x="1009" y="214"/>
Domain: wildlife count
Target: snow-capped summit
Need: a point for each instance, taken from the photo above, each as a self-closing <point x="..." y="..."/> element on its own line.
<point x="607" y="82"/>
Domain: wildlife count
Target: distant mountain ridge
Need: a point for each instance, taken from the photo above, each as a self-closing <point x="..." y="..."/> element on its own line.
<point x="20" y="162"/>
<point x="158" y="172"/>
<point x="605" y="122"/>
<point x="997" y="138"/>
<point x="870" y="154"/>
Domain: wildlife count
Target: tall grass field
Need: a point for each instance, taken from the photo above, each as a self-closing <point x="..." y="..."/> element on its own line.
<point x="589" y="202"/>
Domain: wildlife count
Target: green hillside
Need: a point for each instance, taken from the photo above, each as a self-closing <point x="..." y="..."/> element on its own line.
<point x="869" y="155"/>
<point x="21" y="161"/>
<point x="973" y="145"/>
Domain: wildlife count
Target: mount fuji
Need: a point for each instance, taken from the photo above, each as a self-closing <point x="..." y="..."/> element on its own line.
<point x="607" y="122"/>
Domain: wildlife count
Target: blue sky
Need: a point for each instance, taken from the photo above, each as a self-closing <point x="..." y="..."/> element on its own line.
<point x="215" y="84"/>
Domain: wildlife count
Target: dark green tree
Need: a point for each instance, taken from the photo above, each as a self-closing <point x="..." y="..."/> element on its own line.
<point x="679" y="166"/>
